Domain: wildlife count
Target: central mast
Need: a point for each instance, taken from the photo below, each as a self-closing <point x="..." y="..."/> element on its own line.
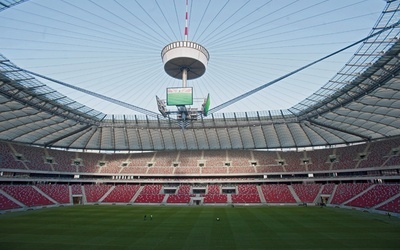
<point x="184" y="60"/>
<point x="184" y="70"/>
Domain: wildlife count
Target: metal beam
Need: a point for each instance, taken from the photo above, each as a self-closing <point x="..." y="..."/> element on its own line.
<point x="106" y="98"/>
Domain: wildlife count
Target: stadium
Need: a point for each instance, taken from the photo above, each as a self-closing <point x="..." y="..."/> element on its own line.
<point x="197" y="113"/>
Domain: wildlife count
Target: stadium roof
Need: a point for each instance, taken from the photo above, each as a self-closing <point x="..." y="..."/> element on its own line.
<point x="360" y="103"/>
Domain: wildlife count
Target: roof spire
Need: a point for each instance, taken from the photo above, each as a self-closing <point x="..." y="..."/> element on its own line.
<point x="186" y="19"/>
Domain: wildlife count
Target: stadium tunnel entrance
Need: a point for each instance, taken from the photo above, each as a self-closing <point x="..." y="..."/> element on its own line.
<point x="77" y="200"/>
<point x="197" y="201"/>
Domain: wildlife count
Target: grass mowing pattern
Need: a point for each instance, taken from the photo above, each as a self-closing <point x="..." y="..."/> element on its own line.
<point x="123" y="227"/>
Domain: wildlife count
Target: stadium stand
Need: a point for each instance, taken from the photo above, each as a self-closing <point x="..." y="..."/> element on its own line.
<point x="392" y="206"/>
<point x="239" y="158"/>
<point x="277" y="168"/>
<point x="216" y="158"/>
<point x="35" y="158"/>
<point x="90" y="162"/>
<point x="140" y="159"/>
<point x="394" y="160"/>
<point x="133" y="170"/>
<point x="265" y="158"/>
<point x="108" y="163"/>
<point x="213" y="168"/>
<point x="190" y="158"/>
<point x="340" y="145"/>
<point x="383" y="197"/>
<point x="121" y="194"/>
<point x="346" y="191"/>
<point x="375" y="196"/>
<point x="175" y="198"/>
<point x="76" y="189"/>
<point x="307" y="192"/>
<point x="95" y="192"/>
<point x="277" y="193"/>
<point x="215" y="198"/>
<point x="182" y="195"/>
<point x="63" y="161"/>
<point x="348" y="157"/>
<point x="165" y="159"/>
<point x="319" y="159"/>
<point x="58" y="192"/>
<point x="7" y="204"/>
<point x="160" y="170"/>
<point x="328" y="188"/>
<point x="150" y="194"/>
<point x="293" y="161"/>
<point x="376" y="154"/>
<point x="27" y="195"/>
<point x="247" y="193"/>
<point x="187" y="170"/>
<point x="214" y="195"/>
<point x="9" y="159"/>
<point x="240" y="170"/>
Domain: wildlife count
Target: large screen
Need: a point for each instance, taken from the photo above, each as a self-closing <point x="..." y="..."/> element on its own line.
<point x="179" y="96"/>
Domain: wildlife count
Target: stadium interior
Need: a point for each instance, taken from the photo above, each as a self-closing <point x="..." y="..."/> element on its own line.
<point x="339" y="147"/>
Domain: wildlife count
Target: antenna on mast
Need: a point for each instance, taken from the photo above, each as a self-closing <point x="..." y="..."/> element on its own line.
<point x="186" y="24"/>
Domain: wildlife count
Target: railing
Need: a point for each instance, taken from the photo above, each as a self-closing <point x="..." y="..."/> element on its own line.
<point x="185" y="44"/>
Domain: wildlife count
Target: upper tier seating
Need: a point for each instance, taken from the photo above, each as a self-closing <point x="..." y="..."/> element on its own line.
<point x="215" y="158"/>
<point x="239" y="158"/>
<point x="190" y="158"/>
<point x="7" y="158"/>
<point x="319" y="159"/>
<point x="34" y="157"/>
<point x="265" y="158"/>
<point x="377" y="154"/>
<point x="240" y="170"/>
<point x="165" y="159"/>
<point x="214" y="170"/>
<point x="293" y="161"/>
<point x="63" y="161"/>
<point x="374" y="154"/>
<point x="348" y="157"/>
<point x="90" y="162"/>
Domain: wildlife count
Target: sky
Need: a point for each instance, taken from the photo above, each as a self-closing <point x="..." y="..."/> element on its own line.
<point x="113" y="47"/>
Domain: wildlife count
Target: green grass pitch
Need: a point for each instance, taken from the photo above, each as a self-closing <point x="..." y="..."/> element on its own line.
<point x="181" y="227"/>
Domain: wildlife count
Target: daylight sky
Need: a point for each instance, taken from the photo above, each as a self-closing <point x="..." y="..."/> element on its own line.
<point x="113" y="47"/>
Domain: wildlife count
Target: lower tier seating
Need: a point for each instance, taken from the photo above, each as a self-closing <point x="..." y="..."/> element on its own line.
<point x="383" y="197"/>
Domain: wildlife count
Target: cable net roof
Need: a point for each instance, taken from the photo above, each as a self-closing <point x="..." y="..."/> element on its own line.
<point x="359" y="103"/>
